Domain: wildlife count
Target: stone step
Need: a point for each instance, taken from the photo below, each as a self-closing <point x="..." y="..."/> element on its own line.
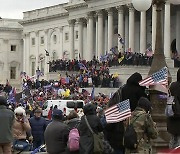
<point x="124" y="72"/>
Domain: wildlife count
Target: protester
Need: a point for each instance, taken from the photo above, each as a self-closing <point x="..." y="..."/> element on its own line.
<point x="20" y="127"/>
<point x="56" y="134"/>
<point x="6" y="118"/>
<point x="173" y="123"/>
<point x="86" y="137"/>
<point x="73" y="121"/>
<point x="144" y="126"/>
<point x="38" y="126"/>
<point x="133" y="91"/>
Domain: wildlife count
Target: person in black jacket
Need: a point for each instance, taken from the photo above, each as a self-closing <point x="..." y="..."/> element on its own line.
<point x="86" y="138"/>
<point x="56" y="134"/>
<point x="173" y="123"/>
<point x="133" y="91"/>
<point x="38" y="125"/>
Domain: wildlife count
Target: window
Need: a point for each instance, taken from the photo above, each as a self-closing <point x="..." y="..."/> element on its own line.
<point x="13" y="73"/>
<point x="75" y="104"/>
<point x="66" y="36"/>
<point x="33" y="41"/>
<point x="55" y="38"/>
<point x="42" y="40"/>
<point x="13" y="47"/>
<point x="76" y="35"/>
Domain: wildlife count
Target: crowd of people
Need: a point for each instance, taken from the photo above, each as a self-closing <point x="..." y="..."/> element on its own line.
<point x="127" y="58"/>
<point x="25" y="122"/>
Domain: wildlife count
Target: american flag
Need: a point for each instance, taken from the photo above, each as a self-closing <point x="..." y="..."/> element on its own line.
<point x="118" y="112"/>
<point x="159" y="77"/>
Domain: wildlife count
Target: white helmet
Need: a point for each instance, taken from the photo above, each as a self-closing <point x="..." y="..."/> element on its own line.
<point x="20" y="110"/>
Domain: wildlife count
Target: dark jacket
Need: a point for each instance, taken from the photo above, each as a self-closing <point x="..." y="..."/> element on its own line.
<point x="56" y="137"/>
<point x="38" y="126"/>
<point x="86" y="138"/>
<point x="133" y="91"/>
<point x="6" y="119"/>
<point x="173" y="123"/>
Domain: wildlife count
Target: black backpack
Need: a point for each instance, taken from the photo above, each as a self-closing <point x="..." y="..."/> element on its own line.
<point x="176" y="107"/>
<point x="130" y="136"/>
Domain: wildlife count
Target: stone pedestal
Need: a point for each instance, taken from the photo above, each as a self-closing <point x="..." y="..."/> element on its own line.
<point x="158" y="115"/>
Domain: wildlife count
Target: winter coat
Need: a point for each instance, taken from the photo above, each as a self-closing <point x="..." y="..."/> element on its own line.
<point x="38" y="126"/>
<point x="145" y="129"/>
<point x="173" y="123"/>
<point x="133" y="91"/>
<point x="86" y="138"/>
<point x="56" y="137"/>
<point x="20" y="129"/>
<point x="6" y="119"/>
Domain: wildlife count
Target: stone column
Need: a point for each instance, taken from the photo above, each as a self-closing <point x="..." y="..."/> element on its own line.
<point x="120" y="27"/>
<point x="80" y="37"/>
<point x="61" y="42"/>
<point x="37" y="50"/>
<point x="143" y="32"/>
<point x="100" y="33"/>
<point x="131" y="27"/>
<point x="110" y="29"/>
<point x="46" y="67"/>
<point x="26" y="53"/>
<point x="71" y="39"/>
<point x="154" y="16"/>
<point x="167" y="33"/>
<point x="96" y="37"/>
<point x="178" y="30"/>
<point x="90" y="35"/>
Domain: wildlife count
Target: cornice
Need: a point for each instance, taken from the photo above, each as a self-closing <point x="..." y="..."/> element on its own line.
<point x="10" y="29"/>
<point x="75" y="6"/>
<point x="43" y="18"/>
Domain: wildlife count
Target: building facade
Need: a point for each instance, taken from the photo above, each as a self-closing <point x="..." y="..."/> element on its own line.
<point x="82" y="29"/>
<point x="11" y="50"/>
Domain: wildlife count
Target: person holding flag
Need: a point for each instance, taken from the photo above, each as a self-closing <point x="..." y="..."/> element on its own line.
<point x="144" y="126"/>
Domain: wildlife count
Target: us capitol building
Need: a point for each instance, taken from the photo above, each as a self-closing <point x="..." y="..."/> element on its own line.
<point x="80" y="28"/>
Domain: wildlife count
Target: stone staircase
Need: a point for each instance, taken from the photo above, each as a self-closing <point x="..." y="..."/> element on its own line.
<point x="124" y="72"/>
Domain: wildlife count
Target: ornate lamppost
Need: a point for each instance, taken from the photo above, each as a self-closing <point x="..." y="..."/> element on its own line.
<point x="157" y="63"/>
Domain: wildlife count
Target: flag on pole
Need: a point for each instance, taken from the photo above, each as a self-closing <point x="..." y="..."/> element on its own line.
<point x="118" y="112"/>
<point x="92" y="93"/>
<point x="82" y="66"/>
<point x="121" y="40"/>
<point x="160" y="77"/>
<point x="47" y="53"/>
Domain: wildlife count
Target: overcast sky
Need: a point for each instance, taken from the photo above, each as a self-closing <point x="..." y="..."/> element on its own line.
<point x="15" y="8"/>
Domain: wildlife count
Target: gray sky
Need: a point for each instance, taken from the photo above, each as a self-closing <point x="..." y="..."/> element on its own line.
<point x="15" y="8"/>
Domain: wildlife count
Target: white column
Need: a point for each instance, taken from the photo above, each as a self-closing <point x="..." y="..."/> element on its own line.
<point x="131" y="27"/>
<point x="85" y="40"/>
<point x="167" y="33"/>
<point x="71" y="39"/>
<point x="37" y="50"/>
<point x="61" y="42"/>
<point x="100" y="34"/>
<point x="96" y="37"/>
<point x="80" y="37"/>
<point x="154" y="16"/>
<point x="178" y="30"/>
<point x="46" y="67"/>
<point x="26" y="53"/>
<point x="120" y="27"/>
<point x="110" y="29"/>
<point x="105" y="36"/>
<point x="90" y="36"/>
<point x="143" y="32"/>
